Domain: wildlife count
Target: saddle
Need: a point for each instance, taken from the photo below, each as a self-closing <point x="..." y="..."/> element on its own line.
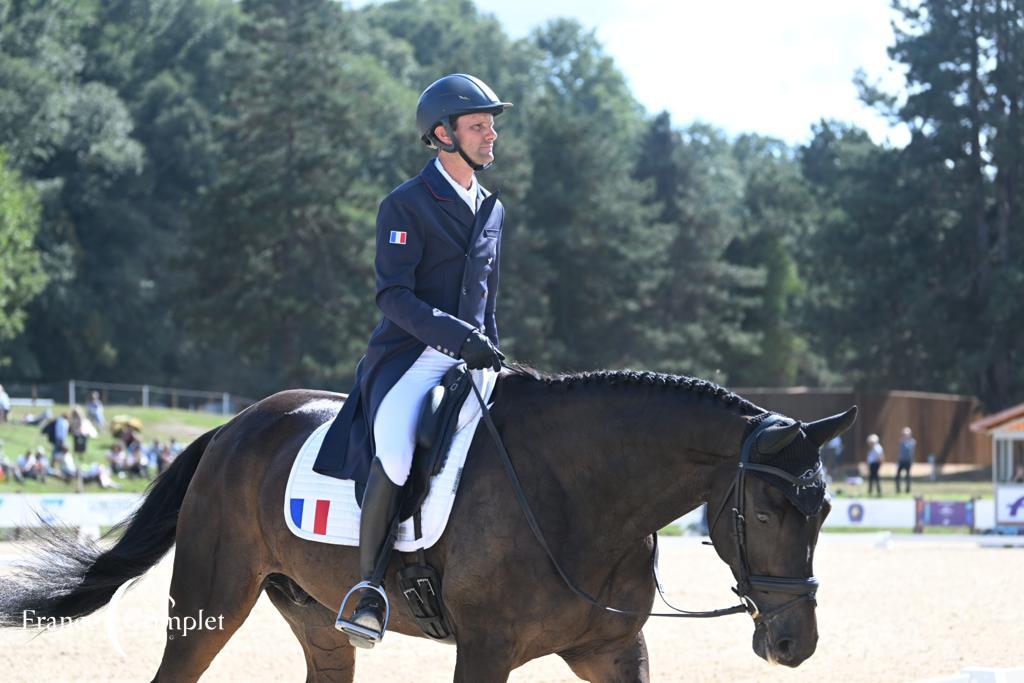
<point x="419" y="582"/>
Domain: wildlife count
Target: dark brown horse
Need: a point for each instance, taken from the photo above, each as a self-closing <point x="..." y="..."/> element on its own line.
<point x="605" y="459"/>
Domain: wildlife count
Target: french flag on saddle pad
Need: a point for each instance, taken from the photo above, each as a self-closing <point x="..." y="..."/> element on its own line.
<point x="310" y="514"/>
<point x="397" y="237"/>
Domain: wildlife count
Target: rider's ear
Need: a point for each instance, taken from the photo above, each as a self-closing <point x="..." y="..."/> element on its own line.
<point x="442" y="134"/>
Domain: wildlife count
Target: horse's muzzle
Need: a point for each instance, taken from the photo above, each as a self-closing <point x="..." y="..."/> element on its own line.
<point x="784" y="646"/>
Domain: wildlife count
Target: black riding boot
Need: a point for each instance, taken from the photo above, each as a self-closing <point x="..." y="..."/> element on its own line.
<point x="380" y="505"/>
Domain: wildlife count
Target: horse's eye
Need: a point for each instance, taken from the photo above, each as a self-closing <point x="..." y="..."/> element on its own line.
<point x="762" y="517"/>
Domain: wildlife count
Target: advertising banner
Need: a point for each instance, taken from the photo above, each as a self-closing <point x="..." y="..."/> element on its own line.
<point x="1010" y="504"/>
<point x="77" y="510"/>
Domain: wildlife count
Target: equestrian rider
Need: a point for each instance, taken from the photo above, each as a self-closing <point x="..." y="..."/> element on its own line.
<point x="438" y="246"/>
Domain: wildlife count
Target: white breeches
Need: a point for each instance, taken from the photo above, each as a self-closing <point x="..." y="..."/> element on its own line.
<point x="394" y="427"/>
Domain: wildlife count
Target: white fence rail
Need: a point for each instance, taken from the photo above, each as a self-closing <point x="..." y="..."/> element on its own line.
<point x="77" y="391"/>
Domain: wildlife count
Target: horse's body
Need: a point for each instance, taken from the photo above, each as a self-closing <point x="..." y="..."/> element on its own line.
<point x="605" y="460"/>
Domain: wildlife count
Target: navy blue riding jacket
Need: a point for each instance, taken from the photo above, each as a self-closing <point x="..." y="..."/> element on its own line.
<point x="437" y="280"/>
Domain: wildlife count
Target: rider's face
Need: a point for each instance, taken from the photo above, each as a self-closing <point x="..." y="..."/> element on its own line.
<point x="476" y="136"/>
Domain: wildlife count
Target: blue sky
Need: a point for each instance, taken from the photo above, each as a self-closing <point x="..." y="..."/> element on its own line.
<point x="743" y="65"/>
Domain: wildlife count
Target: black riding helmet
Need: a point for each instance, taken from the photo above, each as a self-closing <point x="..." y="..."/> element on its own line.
<point x="452" y="96"/>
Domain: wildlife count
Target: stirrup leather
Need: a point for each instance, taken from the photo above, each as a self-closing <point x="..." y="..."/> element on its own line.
<point x="353" y="629"/>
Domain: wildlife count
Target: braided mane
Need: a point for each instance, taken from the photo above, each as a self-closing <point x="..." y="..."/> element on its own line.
<point x="693" y="385"/>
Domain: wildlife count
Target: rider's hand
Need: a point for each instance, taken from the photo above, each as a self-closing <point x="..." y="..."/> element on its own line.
<point x="479" y="352"/>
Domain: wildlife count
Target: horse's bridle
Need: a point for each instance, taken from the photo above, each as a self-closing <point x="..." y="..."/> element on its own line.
<point x="802" y="589"/>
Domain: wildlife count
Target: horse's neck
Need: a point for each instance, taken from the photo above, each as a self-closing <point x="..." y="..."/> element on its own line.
<point x="631" y="461"/>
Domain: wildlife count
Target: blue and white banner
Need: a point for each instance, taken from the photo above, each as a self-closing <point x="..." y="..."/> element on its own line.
<point x="83" y="509"/>
<point x="1010" y="504"/>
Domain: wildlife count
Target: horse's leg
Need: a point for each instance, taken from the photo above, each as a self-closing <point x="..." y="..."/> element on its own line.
<point x="623" y="661"/>
<point x="218" y="575"/>
<point x="482" y="661"/>
<point x="329" y="657"/>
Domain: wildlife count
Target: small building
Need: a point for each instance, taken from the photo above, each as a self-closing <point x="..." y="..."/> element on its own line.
<point x="1007" y="431"/>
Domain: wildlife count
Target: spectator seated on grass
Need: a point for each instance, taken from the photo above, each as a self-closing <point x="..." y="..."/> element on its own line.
<point x="8" y="472"/>
<point x="99" y="474"/>
<point x="34" y="465"/>
<point x="32" y="419"/>
<point x="65" y="465"/>
<point x="134" y="465"/>
<point x="167" y="456"/>
<point x="117" y="459"/>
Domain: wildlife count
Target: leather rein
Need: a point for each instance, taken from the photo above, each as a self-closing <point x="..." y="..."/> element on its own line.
<point x="802" y="588"/>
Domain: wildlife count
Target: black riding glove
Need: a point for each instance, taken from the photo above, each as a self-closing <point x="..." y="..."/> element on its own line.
<point x="479" y="352"/>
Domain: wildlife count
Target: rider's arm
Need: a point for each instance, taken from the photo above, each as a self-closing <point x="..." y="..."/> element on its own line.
<point x="395" y="266"/>
<point x="490" y="321"/>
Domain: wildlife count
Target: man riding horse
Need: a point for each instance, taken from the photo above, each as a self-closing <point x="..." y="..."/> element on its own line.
<point x="438" y="247"/>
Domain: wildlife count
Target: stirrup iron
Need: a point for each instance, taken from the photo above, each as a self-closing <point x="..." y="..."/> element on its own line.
<point x="360" y="636"/>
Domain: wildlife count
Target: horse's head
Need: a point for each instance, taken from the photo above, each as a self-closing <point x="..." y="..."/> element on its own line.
<point x="765" y="524"/>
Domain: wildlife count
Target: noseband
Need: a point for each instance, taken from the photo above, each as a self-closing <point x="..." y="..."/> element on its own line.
<point x="802" y="589"/>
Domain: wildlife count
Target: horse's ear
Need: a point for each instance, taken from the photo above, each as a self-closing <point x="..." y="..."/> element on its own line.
<point x="827" y="428"/>
<point x="774" y="439"/>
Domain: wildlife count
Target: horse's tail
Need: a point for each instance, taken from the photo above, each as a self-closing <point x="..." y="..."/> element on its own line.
<point x="71" y="578"/>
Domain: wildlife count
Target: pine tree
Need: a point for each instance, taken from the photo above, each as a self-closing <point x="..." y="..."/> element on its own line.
<point x="21" y="273"/>
<point x="284" y="241"/>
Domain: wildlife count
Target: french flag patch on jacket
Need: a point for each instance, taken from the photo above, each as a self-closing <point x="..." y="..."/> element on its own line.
<point x="397" y="237"/>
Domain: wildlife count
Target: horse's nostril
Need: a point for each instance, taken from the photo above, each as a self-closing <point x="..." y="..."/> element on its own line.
<point x="784" y="647"/>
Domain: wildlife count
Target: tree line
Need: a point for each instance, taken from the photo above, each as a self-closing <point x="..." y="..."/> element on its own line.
<point x="188" y="191"/>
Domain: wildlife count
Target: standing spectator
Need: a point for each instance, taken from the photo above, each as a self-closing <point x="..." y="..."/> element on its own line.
<point x="5" y="404"/>
<point x="61" y="430"/>
<point x="906" y="457"/>
<point x="153" y="457"/>
<point x="81" y="431"/>
<point x="129" y="436"/>
<point x="95" y="410"/>
<point x="831" y="454"/>
<point x="875" y="457"/>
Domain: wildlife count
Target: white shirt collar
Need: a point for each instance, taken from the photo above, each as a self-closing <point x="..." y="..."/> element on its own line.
<point x="469" y="196"/>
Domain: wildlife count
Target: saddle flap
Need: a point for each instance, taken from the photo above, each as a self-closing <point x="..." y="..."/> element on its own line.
<point x="427" y="426"/>
<point x="439" y="418"/>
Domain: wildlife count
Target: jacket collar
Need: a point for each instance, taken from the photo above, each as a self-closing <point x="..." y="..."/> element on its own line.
<point x="444" y="193"/>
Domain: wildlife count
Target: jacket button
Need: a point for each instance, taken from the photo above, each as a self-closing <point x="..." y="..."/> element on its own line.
<point x="465" y="290"/>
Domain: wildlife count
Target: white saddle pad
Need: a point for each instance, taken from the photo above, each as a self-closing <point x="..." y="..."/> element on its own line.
<point x="323" y="509"/>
